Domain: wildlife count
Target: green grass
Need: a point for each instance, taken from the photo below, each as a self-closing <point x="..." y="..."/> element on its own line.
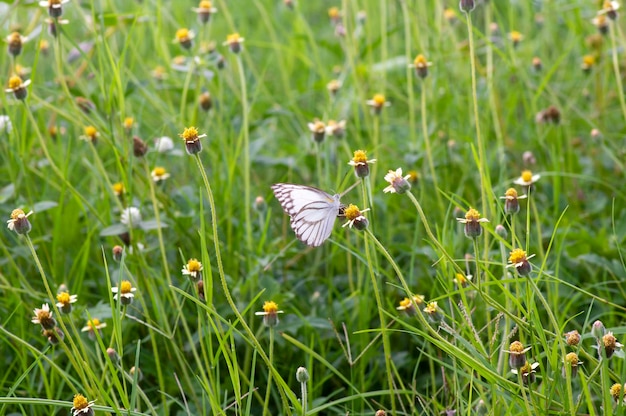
<point x="462" y="131"/>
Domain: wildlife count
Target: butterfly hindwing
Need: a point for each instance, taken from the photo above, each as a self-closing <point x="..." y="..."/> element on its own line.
<point x="312" y="211"/>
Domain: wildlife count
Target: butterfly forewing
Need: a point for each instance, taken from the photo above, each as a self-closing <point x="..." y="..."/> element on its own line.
<point x="312" y="211"/>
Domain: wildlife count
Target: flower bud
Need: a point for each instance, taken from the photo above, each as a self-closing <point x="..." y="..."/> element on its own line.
<point x="302" y="375"/>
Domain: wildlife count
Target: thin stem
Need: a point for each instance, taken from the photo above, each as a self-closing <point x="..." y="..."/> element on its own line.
<point x="269" y="376"/>
<point x="222" y="275"/>
<point x="485" y="182"/>
<point x="618" y="76"/>
<point x="246" y="155"/>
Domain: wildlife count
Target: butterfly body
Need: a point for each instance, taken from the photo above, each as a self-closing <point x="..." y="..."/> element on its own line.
<point x="312" y="211"/>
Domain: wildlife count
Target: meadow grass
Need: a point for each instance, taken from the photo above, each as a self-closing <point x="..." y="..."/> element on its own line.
<point x="212" y="306"/>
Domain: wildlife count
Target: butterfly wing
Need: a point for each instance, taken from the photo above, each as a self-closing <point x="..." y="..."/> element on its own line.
<point x="312" y="211"/>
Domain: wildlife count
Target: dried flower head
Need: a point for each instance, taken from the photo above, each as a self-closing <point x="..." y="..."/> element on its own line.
<point x="609" y="345"/>
<point x="572" y="338"/>
<point x="601" y="24"/>
<point x="270" y="313"/>
<point x="205" y="101"/>
<point x="55" y="335"/>
<point x="527" y="372"/>
<point x="44" y="317"/>
<point x="140" y="148"/>
<point x="610" y="9"/>
<point x="55" y="7"/>
<point x="19" y="221"/>
<point x="571" y="360"/>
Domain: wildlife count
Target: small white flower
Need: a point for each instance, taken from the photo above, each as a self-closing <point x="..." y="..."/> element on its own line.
<point x="5" y="124"/>
<point x="164" y="144"/>
<point x="131" y="216"/>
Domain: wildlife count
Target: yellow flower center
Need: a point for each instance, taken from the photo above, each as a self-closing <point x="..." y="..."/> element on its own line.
<point x="64" y="298"/>
<point x="405" y="303"/>
<point x="359" y="156"/>
<point x="233" y="38"/>
<point x="516" y="36"/>
<point x="159" y="171"/>
<point x="44" y="45"/>
<point x="527" y="176"/>
<point x="449" y="14"/>
<point x="205" y="4"/>
<point x="17" y="213"/>
<point x="419" y="299"/>
<point x="472" y="215"/>
<point x="432" y="307"/>
<point x="333" y="12"/>
<point x="379" y="100"/>
<point x="516" y="347"/>
<point x="526" y="368"/>
<point x="511" y="193"/>
<point x="352" y="212"/>
<point x="270" y="307"/>
<point x="118" y="188"/>
<point x="600" y="21"/>
<point x="572" y="358"/>
<point x="15" y="82"/>
<point x="182" y="34"/>
<point x="609" y="340"/>
<point x="194" y="265"/>
<point x="15" y="37"/>
<point x="128" y="122"/>
<point x="333" y="85"/>
<point x="413" y="175"/>
<point x="43" y="314"/>
<point x="190" y="134"/>
<point x="80" y="402"/>
<point x="319" y="126"/>
<point x="461" y="279"/>
<point x="608" y="5"/>
<point x="616" y="390"/>
<point x="420" y="61"/>
<point x="126" y="286"/>
<point x="90" y="131"/>
<point x="589" y="60"/>
<point x="517" y="256"/>
<point x="93" y="324"/>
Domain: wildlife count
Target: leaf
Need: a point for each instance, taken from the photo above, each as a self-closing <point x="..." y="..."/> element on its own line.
<point x="7" y="192"/>
<point x="44" y="206"/>
<point x="115" y="229"/>
<point x="152" y="225"/>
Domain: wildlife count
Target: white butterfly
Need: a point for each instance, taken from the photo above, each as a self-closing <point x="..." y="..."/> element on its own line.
<point x="312" y="211"/>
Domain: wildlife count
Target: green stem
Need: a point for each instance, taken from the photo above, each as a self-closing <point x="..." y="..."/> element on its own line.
<point x="246" y="156"/>
<point x="269" y="376"/>
<point x="618" y="75"/>
<point x="222" y="275"/>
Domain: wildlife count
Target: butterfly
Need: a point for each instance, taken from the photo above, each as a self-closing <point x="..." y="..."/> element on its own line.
<point x="312" y="211"/>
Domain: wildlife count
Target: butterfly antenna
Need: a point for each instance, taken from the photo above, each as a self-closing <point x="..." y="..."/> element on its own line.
<point x="349" y="189"/>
